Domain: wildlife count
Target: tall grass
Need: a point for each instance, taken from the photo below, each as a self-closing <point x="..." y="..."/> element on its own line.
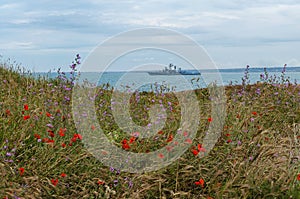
<point x="42" y="155"/>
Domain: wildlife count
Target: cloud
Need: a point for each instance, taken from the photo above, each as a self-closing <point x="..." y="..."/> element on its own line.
<point x="240" y="25"/>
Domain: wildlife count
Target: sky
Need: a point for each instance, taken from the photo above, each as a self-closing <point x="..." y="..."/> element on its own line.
<point x="45" y="35"/>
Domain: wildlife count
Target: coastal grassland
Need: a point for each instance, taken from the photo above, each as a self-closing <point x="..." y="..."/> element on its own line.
<point x="42" y="154"/>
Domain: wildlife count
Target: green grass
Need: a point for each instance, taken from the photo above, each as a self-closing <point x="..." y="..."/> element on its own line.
<point x="257" y="155"/>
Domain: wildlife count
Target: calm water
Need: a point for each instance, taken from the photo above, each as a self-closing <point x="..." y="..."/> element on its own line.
<point x="142" y="80"/>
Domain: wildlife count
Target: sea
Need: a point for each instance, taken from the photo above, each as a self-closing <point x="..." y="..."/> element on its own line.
<point x="142" y="81"/>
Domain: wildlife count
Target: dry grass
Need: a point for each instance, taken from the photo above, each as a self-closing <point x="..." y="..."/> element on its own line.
<point x="257" y="155"/>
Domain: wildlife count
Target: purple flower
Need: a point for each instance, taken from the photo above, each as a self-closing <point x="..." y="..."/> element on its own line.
<point x="257" y="91"/>
<point x="111" y="169"/>
<point x="8" y="154"/>
<point x="49" y="125"/>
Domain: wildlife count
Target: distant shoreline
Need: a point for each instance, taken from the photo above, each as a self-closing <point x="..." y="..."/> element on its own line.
<point x="224" y="70"/>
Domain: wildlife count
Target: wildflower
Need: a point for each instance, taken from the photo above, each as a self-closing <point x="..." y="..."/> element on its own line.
<point x="189" y="141"/>
<point x="200" y="148"/>
<point x="26" y="117"/>
<point x="77" y="136"/>
<point x="50" y="141"/>
<point x="48" y="114"/>
<point x="45" y="140"/>
<point x="8" y="112"/>
<point x="160" y="155"/>
<point x="63" y="145"/>
<point x="93" y="127"/>
<point x="254" y="113"/>
<point x="37" y="136"/>
<point x="195" y="152"/>
<point x="62" y="131"/>
<point x="298" y="177"/>
<point x="22" y="170"/>
<point x="54" y="182"/>
<point x="135" y="134"/>
<point x="169" y="148"/>
<point x="210" y="119"/>
<point x="63" y="175"/>
<point x="229" y="141"/>
<point x="132" y="139"/>
<point x="170" y="138"/>
<point x="201" y="182"/>
<point x="185" y="134"/>
<point x="26" y="107"/>
<point x="49" y="125"/>
<point x="126" y="146"/>
<point x="8" y="154"/>
<point x="100" y="182"/>
<point x="51" y="134"/>
<point x="160" y="132"/>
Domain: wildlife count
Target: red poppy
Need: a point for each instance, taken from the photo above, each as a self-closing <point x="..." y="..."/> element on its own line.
<point x="48" y="114"/>
<point x="100" y="182"/>
<point x="210" y="119"/>
<point x="185" y="134"/>
<point x="26" y="117"/>
<point x="132" y="139"/>
<point x="50" y="141"/>
<point x="51" y="134"/>
<point x="62" y="131"/>
<point x="54" y="182"/>
<point x="254" y="113"/>
<point x="189" y="141"/>
<point x="200" y="148"/>
<point x="7" y="112"/>
<point x="170" y="138"/>
<point x="227" y="134"/>
<point x="45" y="140"/>
<point x="126" y="146"/>
<point x="63" y="145"/>
<point x="169" y="148"/>
<point x="93" y="127"/>
<point x="77" y="136"/>
<point x="26" y="107"/>
<point x="160" y="132"/>
<point x="37" y="136"/>
<point x="298" y="176"/>
<point x="63" y="175"/>
<point x="161" y="155"/>
<point x="195" y="152"/>
<point x="73" y="139"/>
<point x="200" y="182"/>
<point x="229" y="141"/>
<point x="22" y="170"/>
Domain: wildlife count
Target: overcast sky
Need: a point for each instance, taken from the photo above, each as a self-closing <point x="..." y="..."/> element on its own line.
<point x="43" y="35"/>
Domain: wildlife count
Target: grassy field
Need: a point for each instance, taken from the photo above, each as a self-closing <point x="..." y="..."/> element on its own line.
<point x="43" y="156"/>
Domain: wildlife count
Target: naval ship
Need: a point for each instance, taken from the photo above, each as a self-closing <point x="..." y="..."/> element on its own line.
<point x="173" y="71"/>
